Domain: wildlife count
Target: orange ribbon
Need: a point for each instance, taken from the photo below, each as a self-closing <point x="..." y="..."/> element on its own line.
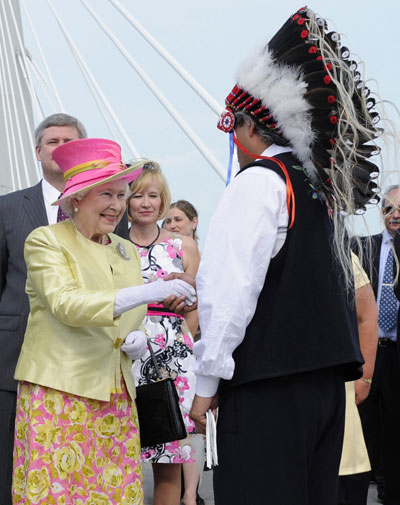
<point x="290" y="200"/>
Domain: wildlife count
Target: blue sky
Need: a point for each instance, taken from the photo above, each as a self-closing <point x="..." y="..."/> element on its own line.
<point x="209" y="39"/>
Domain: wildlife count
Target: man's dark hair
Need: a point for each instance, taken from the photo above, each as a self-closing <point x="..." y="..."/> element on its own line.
<point x="269" y="136"/>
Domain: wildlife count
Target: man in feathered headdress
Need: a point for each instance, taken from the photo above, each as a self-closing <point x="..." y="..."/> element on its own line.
<point x="279" y="336"/>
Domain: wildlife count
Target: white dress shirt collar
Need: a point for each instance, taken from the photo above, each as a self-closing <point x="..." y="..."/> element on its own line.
<point x="386" y="237"/>
<point x="50" y="195"/>
<point x="274" y="150"/>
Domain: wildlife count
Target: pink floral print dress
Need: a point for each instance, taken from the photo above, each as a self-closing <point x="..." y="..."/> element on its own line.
<point x="71" y="450"/>
<point x="173" y="346"/>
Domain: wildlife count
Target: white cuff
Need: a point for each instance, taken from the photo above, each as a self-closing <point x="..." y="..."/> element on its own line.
<point x="206" y="385"/>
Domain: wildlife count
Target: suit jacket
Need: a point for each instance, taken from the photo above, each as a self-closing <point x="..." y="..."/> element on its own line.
<point x="20" y="213"/>
<point x="72" y="340"/>
<point x="376" y="244"/>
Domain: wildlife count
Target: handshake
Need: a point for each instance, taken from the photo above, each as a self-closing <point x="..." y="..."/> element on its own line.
<point x="182" y="298"/>
<point x="177" y="292"/>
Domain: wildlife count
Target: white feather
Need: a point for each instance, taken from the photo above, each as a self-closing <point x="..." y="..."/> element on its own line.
<point x="281" y="89"/>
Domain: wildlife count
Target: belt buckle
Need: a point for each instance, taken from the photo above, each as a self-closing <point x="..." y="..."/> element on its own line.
<point x="383" y="342"/>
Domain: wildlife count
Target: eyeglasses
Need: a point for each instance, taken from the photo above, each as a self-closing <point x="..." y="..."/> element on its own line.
<point x="390" y="209"/>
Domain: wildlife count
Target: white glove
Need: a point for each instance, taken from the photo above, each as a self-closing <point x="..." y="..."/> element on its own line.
<point x="129" y="298"/>
<point x="135" y="345"/>
<point x="160" y="290"/>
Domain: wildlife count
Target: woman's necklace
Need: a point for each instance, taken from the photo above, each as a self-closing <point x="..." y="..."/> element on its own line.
<point x="151" y="243"/>
<point x="104" y="238"/>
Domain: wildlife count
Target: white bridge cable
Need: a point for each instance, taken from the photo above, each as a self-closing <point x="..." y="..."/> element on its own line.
<point x="53" y="87"/>
<point x="24" y="108"/>
<point x="43" y="84"/>
<point x="7" y="112"/>
<point x="99" y="103"/>
<point x="83" y="64"/>
<point x="186" y="76"/>
<point x="11" y="91"/>
<point x="31" y="89"/>
<point x="208" y="155"/>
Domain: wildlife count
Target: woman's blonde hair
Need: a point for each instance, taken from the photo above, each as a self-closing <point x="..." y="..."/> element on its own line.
<point x="151" y="173"/>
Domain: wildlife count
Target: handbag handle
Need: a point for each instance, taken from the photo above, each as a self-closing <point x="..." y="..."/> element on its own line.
<point x="153" y="358"/>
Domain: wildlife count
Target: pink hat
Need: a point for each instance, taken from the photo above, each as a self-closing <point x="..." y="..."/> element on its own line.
<point x="87" y="163"/>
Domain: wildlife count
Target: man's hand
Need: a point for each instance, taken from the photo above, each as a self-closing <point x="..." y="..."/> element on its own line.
<point x="177" y="304"/>
<point x="362" y="390"/>
<point x="200" y="406"/>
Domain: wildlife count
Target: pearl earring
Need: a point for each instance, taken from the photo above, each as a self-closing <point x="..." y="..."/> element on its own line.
<point x="76" y="209"/>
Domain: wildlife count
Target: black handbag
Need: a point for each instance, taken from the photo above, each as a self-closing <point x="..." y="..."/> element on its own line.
<point x="160" y="417"/>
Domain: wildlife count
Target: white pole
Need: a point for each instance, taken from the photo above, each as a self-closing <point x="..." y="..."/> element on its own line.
<point x="78" y="56"/>
<point x="11" y="92"/>
<point x="54" y="88"/>
<point x="25" y="112"/>
<point x="208" y="155"/>
<point x="47" y="90"/>
<point x="31" y="89"/>
<point x="186" y="76"/>
<point x="7" y="117"/>
<point x="99" y="104"/>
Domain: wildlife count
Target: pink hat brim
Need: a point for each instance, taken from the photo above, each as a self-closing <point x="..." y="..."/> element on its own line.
<point x="96" y="177"/>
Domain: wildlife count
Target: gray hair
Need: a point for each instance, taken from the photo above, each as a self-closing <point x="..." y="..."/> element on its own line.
<point x="67" y="205"/>
<point x="386" y="193"/>
<point x="268" y="136"/>
<point x="59" y="119"/>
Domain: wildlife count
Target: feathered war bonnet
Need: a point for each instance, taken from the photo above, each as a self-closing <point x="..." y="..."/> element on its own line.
<point x="304" y="88"/>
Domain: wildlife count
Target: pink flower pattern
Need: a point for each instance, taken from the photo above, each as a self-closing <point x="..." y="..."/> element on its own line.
<point x="173" y="346"/>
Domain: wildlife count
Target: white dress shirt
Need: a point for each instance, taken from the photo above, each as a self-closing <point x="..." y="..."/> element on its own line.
<point x="50" y="195"/>
<point x="247" y="230"/>
<point x="387" y="244"/>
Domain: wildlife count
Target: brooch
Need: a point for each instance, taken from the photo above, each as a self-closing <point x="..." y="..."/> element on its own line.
<point x="121" y="251"/>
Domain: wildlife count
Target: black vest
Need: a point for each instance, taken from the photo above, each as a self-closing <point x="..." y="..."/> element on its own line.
<point x="305" y="319"/>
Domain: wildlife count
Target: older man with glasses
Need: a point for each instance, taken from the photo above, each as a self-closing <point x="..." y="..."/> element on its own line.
<point x="380" y="412"/>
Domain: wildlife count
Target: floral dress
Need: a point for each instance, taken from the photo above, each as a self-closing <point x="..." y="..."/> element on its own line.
<point x="173" y="346"/>
<point x="71" y="450"/>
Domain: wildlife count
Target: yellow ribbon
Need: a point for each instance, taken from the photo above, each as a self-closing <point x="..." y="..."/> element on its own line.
<point x="83" y="167"/>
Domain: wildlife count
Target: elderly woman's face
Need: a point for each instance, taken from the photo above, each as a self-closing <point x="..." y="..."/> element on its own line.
<point x="101" y="209"/>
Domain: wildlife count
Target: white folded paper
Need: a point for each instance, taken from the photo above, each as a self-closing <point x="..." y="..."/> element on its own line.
<point x="211" y="440"/>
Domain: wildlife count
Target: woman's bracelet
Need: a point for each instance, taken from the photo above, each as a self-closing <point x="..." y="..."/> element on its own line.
<point x="367" y="381"/>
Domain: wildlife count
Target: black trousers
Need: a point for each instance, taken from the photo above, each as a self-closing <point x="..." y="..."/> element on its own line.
<point x="353" y="489"/>
<point x="8" y="401"/>
<point x="280" y="441"/>
<point x="381" y="412"/>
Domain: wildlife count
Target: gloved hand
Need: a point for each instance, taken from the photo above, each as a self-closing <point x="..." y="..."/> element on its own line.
<point x="157" y="291"/>
<point x="135" y="345"/>
<point x="177" y="287"/>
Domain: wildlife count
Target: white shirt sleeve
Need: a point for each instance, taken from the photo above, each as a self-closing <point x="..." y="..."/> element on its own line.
<point x="247" y="230"/>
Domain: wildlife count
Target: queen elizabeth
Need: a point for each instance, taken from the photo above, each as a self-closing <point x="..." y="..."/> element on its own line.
<point x="76" y="438"/>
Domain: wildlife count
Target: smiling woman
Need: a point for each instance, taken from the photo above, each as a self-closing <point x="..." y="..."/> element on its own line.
<point x="99" y="211"/>
<point x="161" y="253"/>
<point x="76" y="423"/>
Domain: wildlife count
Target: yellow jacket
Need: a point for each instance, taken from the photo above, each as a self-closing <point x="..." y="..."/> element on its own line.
<point x="72" y="341"/>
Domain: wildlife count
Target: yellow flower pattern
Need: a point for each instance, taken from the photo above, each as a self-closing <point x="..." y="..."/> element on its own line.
<point x="37" y="485"/>
<point x="70" y="449"/>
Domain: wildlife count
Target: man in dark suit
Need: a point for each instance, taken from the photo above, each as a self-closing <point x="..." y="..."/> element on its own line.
<point x="20" y="213"/>
<point x="380" y="412"/>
